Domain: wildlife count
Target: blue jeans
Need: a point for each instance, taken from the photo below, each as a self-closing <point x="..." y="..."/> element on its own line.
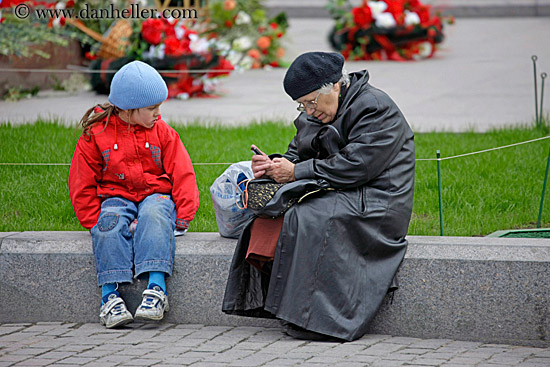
<point x="152" y="246"/>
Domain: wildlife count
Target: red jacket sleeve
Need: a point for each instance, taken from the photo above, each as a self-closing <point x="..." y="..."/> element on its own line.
<point x="84" y="174"/>
<point x="178" y="166"/>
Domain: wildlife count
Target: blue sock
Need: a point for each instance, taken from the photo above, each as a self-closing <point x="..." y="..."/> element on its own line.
<point x="157" y="278"/>
<point x="106" y="290"/>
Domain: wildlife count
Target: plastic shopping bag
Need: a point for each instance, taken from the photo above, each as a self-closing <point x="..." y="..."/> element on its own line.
<point x="225" y="194"/>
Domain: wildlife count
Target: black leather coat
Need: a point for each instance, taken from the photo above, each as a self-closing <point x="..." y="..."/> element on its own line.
<point x="338" y="251"/>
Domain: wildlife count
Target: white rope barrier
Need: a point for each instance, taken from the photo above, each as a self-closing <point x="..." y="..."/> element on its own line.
<point x="68" y="164"/>
<point x="483" y="151"/>
<point x="111" y="71"/>
<point x="225" y="163"/>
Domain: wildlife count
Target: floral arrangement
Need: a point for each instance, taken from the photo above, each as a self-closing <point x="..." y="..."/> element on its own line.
<point x="167" y="44"/>
<point x="244" y="34"/>
<point x="17" y="36"/>
<point x="397" y="30"/>
<point x="199" y="51"/>
<point x="170" y="44"/>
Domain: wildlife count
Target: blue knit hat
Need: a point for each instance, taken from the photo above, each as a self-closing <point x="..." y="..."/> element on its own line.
<point x="310" y="71"/>
<point x="137" y="85"/>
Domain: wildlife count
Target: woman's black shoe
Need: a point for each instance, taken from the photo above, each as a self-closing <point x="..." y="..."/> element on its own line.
<point x="298" y="332"/>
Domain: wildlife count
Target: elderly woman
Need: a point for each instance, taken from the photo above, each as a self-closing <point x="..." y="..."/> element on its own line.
<point x="335" y="254"/>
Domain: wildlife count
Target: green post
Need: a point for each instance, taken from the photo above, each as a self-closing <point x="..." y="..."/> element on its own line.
<point x="543" y="190"/>
<point x="438" y="153"/>
<point x="542" y="77"/>
<point x="534" y="58"/>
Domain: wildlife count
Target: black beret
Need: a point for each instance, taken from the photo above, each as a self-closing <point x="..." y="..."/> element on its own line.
<point x="310" y="71"/>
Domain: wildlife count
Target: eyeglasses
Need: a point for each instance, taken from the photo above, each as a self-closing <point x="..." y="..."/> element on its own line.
<point x="309" y="104"/>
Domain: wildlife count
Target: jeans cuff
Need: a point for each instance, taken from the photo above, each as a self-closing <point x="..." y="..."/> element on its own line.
<point x="114" y="276"/>
<point x="154" y="265"/>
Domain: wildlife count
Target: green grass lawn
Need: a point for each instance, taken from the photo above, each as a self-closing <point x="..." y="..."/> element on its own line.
<point x="481" y="193"/>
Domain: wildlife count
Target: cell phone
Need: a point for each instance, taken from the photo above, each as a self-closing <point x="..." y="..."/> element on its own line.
<point x="256" y="151"/>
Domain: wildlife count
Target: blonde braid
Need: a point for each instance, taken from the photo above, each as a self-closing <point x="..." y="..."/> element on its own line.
<point x="91" y="117"/>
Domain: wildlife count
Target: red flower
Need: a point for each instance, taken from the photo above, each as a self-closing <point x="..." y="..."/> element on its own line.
<point x="185" y="85"/>
<point x="222" y="65"/>
<point x="229" y="24"/>
<point x="70" y="4"/>
<point x="151" y="31"/>
<point x="424" y="15"/>
<point x="90" y="56"/>
<point x="9" y="3"/>
<point x="362" y="16"/>
<point x="184" y="45"/>
<point x="345" y="53"/>
<point x="173" y="47"/>
<point x="169" y="30"/>
<point x="396" y="8"/>
<point x="273" y="25"/>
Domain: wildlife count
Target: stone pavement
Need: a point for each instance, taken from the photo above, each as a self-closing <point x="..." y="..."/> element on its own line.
<point x="164" y="345"/>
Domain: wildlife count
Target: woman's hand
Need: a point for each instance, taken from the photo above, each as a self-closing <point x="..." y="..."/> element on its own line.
<point x="261" y="164"/>
<point x="281" y="170"/>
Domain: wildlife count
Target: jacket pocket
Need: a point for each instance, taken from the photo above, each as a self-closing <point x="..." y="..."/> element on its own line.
<point x="106" y="154"/>
<point x="363" y="200"/>
<point x="156" y="154"/>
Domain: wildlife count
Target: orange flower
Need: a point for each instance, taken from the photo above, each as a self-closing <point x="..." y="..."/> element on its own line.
<point x="255" y="54"/>
<point x="280" y="52"/>
<point x="263" y="42"/>
<point x="229" y="5"/>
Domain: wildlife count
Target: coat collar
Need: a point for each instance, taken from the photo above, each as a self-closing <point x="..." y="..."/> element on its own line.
<point x="358" y="81"/>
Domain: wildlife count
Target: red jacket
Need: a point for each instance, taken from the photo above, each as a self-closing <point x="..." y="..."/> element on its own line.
<point x="133" y="171"/>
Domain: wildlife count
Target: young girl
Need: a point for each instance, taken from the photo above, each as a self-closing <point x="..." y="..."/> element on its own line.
<point x="130" y="167"/>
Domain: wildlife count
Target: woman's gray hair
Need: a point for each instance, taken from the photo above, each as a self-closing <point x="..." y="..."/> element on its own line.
<point x="344" y="80"/>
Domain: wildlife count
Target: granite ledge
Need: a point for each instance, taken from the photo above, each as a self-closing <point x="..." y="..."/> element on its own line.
<point x="211" y="243"/>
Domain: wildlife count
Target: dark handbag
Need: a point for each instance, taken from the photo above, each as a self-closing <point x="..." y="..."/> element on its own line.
<point x="261" y="191"/>
<point x="267" y="198"/>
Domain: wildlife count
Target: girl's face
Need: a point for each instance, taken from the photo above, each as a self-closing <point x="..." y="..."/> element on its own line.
<point x="146" y="116"/>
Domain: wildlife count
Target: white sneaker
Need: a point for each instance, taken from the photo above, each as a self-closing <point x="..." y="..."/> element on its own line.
<point x="114" y="313"/>
<point x="153" y="305"/>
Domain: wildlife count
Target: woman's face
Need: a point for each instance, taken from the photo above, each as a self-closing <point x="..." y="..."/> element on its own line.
<point x="326" y="106"/>
<point x="146" y="116"/>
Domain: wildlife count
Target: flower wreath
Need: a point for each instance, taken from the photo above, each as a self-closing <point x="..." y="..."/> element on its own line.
<point x="386" y="29"/>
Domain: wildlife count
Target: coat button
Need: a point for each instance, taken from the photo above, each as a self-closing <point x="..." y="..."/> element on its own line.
<point x="147" y="189"/>
<point x="136" y="161"/>
<point x="131" y="129"/>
